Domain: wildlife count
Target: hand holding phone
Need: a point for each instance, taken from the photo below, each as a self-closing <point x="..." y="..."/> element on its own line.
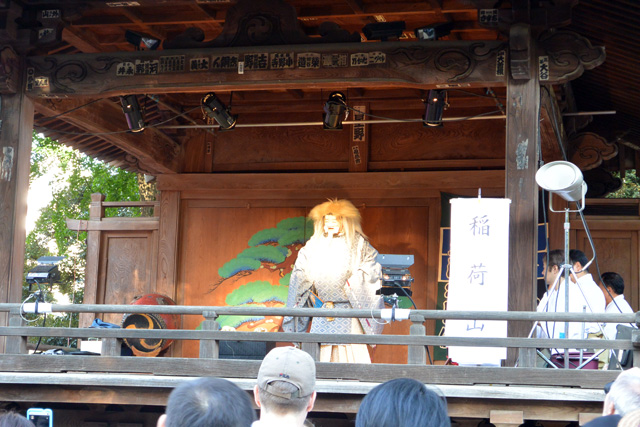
<point x="40" y="417"/>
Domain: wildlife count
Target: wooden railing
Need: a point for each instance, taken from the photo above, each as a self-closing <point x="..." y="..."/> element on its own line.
<point x="210" y="336"/>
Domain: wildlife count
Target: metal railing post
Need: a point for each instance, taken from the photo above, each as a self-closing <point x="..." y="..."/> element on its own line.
<point x="210" y="348"/>
<point x="417" y="354"/>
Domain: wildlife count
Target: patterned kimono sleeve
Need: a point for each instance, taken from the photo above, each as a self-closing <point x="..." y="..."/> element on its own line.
<point x="364" y="283"/>
<point x="299" y="291"/>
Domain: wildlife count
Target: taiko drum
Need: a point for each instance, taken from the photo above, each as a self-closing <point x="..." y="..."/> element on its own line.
<point x="144" y="346"/>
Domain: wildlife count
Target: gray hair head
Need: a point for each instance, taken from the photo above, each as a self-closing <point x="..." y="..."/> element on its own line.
<point x="625" y="392"/>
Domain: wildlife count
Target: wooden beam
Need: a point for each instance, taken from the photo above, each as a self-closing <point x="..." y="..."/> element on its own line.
<point x="523" y="102"/>
<point x="16" y="124"/>
<point x="153" y="151"/>
<point x="380" y="65"/>
<point x="446" y="375"/>
<point x="84" y="41"/>
<point x="317" y="185"/>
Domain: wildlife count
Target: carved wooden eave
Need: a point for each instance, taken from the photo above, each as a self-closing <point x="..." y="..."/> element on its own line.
<point x="588" y="150"/>
<point x="380" y="65"/>
<point x="151" y="151"/>
<point x="571" y="52"/>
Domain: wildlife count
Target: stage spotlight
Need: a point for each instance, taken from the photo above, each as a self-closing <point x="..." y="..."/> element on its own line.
<point x="434" y="31"/>
<point x="435" y="104"/>
<point x="215" y="109"/>
<point x="335" y="111"/>
<point x="141" y="40"/>
<point x="564" y="179"/>
<point x="132" y="112"/>
<point x="383" y="30"/>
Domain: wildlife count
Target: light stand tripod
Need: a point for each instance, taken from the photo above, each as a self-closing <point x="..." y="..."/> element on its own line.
<point x="566" y="270"/>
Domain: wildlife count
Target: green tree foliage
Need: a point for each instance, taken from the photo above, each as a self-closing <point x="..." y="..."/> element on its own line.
<point x="237" y="265"/>
<point x="256" y="292"/>
<point x="76" y="177"/>
<point x="273" y="254"/>
<point x="630" y="186"/>
<point x="284" y="280"/>
<point x="268" y="235"/>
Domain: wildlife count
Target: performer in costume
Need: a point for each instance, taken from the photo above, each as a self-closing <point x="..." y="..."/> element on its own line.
<point x="338" y="266"/>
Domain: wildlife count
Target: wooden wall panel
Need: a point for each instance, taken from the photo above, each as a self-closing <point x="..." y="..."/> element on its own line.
<point x="617" y="251"/>
<point x="210" y="237"/>
<point x="455" y="140"/>
<point x="295" y="145"/>
<point x="127" y="269"/>
<point x="214" y="235"/>
<point x="404" y="230"/>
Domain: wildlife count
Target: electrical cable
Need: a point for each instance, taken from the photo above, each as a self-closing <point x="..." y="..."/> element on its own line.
<point x="418" y="120"/>
<point x="69" y="111"/>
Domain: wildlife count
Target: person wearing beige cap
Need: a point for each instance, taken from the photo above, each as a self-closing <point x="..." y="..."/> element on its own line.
<point x="285" y="392"/>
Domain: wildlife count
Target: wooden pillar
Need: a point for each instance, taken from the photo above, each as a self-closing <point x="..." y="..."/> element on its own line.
<point x="523" y="103"/>
<point x="94" y="237"/>
<point x="16" y="128"/>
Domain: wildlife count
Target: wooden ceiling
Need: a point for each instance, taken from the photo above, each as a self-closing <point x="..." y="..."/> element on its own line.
<point x="100" y="26"/>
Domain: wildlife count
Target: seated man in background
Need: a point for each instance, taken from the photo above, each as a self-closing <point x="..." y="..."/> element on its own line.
<point x="613" y="288"/>
<point x="584" y="296"/>
<point x="206" y="402"/>
<point x="285" y="392"/>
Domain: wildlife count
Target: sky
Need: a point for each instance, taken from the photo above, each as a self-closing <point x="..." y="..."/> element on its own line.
<point x="38" y="197"/>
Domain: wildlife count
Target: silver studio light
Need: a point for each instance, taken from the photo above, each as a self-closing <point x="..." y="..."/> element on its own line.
<point x="132" y="112"/>
<point x="215" y="109"/>
<point x="564" y="179"/>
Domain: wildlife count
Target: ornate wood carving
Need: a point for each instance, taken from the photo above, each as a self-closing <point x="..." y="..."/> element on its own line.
<point x="588" y="150"/>
<point x="260" y="23"/>
<point x="569" y="55"/>
<point x="388" y="64"/>
<point x="9" y="70"/>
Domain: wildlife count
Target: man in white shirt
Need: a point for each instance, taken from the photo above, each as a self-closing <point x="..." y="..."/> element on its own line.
<point x="613" y="289"/>
<point x="584" y="296"/>
<point x="285" y="392"/>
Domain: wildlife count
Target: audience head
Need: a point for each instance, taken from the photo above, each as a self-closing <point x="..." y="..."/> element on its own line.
<point x="13" y="419"/>
<point x="286" y="383"/>
<point x="403" y="402"/>
<point x="208" y="402"/>
<point x="624" y="395"/>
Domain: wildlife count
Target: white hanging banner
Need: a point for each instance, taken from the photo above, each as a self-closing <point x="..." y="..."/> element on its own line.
<point x="478" y="281"/>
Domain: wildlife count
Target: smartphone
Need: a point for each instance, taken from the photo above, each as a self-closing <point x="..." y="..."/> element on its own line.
<point x="40" y="417"/>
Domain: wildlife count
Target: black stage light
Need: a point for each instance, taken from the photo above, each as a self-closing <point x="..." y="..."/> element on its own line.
<point x="383" y="30"/>
<point x="435" y="105"/>
<point x="133" y="113"/>
<point x="434" y="31"/>
<point x="335" y="111"/>
<point x="215" y="109"/>
<point x="141" y="40"/>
